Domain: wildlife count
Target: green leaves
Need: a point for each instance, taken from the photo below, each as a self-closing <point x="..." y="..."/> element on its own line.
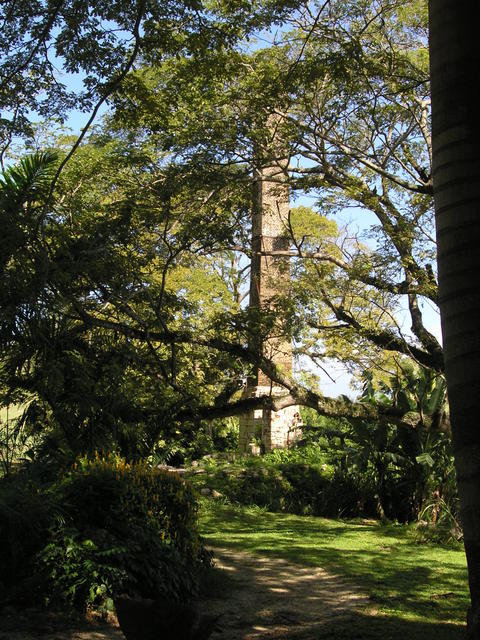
<point x="79" y="572"/>
<point x="94" y="44"/>
<point x="142" y="260"/>
<point x="426" y="459"/>
<point x="28" y="182"/>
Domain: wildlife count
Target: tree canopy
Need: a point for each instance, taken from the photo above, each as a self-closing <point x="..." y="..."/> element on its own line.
<point x="124" y="313"/>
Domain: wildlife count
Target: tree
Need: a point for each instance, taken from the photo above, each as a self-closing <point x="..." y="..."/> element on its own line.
<point x="142" y="235"/>
<point x="361" y="122"/>
<point x="50" y="46"/>
<point x="352" y="90"/>
<point x="455" y="56"/>
<point x="101" y="307"/>
<point x="186" y="132"/>
<point x="98" y="44"/>
<point x="351" y="82"/>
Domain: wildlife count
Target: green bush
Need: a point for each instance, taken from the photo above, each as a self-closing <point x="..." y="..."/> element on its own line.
<point x="294" y="481"/>
<point x="104" y="526"/>
<point x="80" y="572"/>
<point x="112" y="494"/>
<point x="350" y="494"/>
<point x="26" y="513"/>
<point x="439" y="523"/>
<point x="261" y="486"/>
<point x="309" y="486"/>
<point x="125" y="527"/>
<point x="313" y="453"/>
<point x="207" y="438"/>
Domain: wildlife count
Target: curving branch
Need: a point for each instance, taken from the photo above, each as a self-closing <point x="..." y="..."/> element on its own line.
<point x="398" y="288"/>
<point x="110" y="88"/>
<point x="431" y="356"/>
<point x="357" y="154"/>
<point x="52" y="16"/>
<point x="295" y="394"/>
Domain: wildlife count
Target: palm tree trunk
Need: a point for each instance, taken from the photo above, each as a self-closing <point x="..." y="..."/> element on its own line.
<point x="455" y="65"/>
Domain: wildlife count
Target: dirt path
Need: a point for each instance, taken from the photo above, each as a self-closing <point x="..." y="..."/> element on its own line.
<point x="271" y="598"/>
<point x="259" y="598"/>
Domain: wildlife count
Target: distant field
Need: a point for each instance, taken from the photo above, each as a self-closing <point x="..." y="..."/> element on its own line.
<point x="416" y="590"/>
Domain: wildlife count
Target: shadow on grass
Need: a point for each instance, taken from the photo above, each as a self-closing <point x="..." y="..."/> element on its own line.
<point x="402" y="578"/>
<point x="248" y="599"/>
<point x="366" y="627"/>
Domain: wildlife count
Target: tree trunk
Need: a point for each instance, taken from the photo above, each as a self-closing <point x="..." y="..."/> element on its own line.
<point x="455" y="64"/>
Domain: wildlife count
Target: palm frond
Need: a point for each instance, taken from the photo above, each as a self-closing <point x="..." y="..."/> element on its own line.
<point x="28" y="181"/>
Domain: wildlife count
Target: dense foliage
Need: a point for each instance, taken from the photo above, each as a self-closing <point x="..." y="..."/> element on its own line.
<point x="104" y="527"/>
<point x="344" y="470"/>
<point x="123" y="313"/>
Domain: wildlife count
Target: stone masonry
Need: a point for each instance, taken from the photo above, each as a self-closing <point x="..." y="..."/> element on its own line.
<point x="270" y="278"/>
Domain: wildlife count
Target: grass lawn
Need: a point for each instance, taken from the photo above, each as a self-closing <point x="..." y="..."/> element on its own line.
<point x="415" y="590"/>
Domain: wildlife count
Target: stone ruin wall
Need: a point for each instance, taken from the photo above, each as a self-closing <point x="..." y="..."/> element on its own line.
<point x="278" y="429"/>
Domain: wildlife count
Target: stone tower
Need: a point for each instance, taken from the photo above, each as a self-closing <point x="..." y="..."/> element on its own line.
<point x="270" y="277"/>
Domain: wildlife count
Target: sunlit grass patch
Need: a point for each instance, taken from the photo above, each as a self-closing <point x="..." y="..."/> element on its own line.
<point x="420" y="584"/>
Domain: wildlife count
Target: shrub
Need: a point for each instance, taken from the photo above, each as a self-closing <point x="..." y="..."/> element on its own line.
<point x="261" y="486"/>
<point x="79" y="571"/>
<point x="308" y="486"/>
<point x="294" y="481"/>
<point x="26" y="513"/>
<point x="312" y="453"/>
<point x="439" y="523"/>
<point x="350" y="494"/>
<point x="125" y="527"/>
<point x="207" y="438"/>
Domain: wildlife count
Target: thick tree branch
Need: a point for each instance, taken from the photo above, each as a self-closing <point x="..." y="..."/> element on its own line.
<point x="294" y="394"/>
<point x="360" y="157"/>
<point x="387" y="339"/>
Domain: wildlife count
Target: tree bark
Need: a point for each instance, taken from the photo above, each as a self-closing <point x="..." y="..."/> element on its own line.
<point x="455" y="61"/>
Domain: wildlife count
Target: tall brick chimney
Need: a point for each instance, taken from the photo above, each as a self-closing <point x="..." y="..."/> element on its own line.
<point x="270" y="277"/>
